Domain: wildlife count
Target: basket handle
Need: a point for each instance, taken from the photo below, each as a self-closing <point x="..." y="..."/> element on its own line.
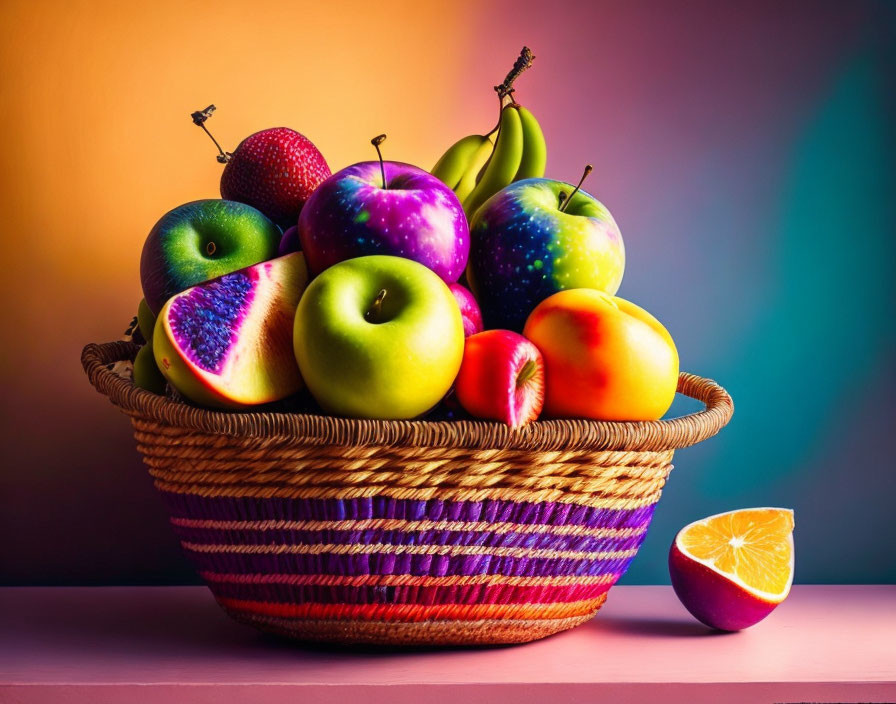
<point x="567" y="434"/>
<point x="97" y="360"/>
<point x="699" y="426"/>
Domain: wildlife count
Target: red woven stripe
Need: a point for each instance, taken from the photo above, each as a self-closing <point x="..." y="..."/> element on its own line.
<point x="411" y="612"/>
<point x="411" y="594"/>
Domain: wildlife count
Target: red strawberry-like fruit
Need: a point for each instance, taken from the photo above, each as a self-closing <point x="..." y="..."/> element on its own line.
<point x="501" y="378"/>
<point x="275" y="171"/>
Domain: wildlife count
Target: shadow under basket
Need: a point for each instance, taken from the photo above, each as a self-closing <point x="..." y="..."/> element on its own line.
<point x="405" y="532"/>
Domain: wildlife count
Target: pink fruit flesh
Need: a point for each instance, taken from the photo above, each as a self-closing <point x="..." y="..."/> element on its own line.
<point x="501" y="378"/>
<point x="228" y="342"/>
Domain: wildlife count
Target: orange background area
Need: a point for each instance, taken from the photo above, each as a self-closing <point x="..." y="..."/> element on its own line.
<point x="98" y="141"/>
<point x="95" y="103"/>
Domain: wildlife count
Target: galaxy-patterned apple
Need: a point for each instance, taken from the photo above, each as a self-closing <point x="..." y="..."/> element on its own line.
<point x="537" y="237"/>
<point x="389" y="208"/>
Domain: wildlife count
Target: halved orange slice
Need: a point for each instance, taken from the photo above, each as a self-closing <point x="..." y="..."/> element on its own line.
<point x="732" y="569"/>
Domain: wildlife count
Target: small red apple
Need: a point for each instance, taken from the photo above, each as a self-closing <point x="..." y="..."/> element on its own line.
<point x="501" y="378"/>
<point x="469" y="309"/>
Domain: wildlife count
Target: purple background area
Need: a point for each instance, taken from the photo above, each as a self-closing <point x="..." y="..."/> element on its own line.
<point x="746" y="150"/>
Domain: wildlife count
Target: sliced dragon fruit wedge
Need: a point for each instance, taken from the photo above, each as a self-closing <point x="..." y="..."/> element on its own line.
<point x="228" y="342"/>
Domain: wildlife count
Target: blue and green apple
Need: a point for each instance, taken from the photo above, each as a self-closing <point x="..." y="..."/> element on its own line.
<point x="378" y="337"/>
<point x="203" y="240"/>
<point x="537" y="237"/>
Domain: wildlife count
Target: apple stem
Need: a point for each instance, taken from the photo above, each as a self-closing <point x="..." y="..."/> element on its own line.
<point x="211" y="248"/>
<point x="376" y="142"/>
<point x="523" y="62"/>
<point x="526" y="372"/>
<point x="562" y="198"/>
<point x="199" y="118"/>
<point x="374" y="311"/>
<point x="588" y="169"/>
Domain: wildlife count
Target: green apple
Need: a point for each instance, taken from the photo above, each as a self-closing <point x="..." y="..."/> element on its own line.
<point x="378" y="337"/>
<point x="200" y="241"/>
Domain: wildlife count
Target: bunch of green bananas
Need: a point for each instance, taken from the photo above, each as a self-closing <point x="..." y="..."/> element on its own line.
<point x="475" y="168"/>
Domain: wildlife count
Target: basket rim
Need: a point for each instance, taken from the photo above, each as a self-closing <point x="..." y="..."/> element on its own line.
<point x="543" y="435"/>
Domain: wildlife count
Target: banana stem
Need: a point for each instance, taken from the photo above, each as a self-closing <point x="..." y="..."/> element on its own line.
<point x="565" y="204"/>
<point x="505" y="89"/>
<point x="498" y="123"/>
<point x="376" y="142"/>
<point x="199" y="118"/>
<point x="523" y="62"/>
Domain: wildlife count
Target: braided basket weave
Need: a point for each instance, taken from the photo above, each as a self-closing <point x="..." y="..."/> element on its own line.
<point x="405" y="532"/>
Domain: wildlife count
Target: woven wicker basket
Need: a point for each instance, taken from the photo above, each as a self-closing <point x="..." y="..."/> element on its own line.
<point x="405" y="532"/>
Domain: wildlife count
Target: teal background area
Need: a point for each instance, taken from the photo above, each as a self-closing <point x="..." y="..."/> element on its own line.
<point x="802" y="293"/>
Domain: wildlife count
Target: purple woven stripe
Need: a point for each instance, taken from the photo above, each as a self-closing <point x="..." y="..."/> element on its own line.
<point x="397" y="537"/>
<point x="490" y="511"/>
<point x="379" y="563"/>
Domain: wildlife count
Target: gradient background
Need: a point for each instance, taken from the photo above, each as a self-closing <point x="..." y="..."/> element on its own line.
<point x="746" y="150"/>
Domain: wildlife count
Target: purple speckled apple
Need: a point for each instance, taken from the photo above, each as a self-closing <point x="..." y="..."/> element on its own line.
<point x="415" y="216"/>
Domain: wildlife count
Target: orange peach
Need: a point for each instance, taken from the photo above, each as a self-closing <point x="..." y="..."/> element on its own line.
<point x="605" y="358"/>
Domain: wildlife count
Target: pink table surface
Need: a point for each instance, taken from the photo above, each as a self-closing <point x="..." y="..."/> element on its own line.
<point x="173" y="644"/>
